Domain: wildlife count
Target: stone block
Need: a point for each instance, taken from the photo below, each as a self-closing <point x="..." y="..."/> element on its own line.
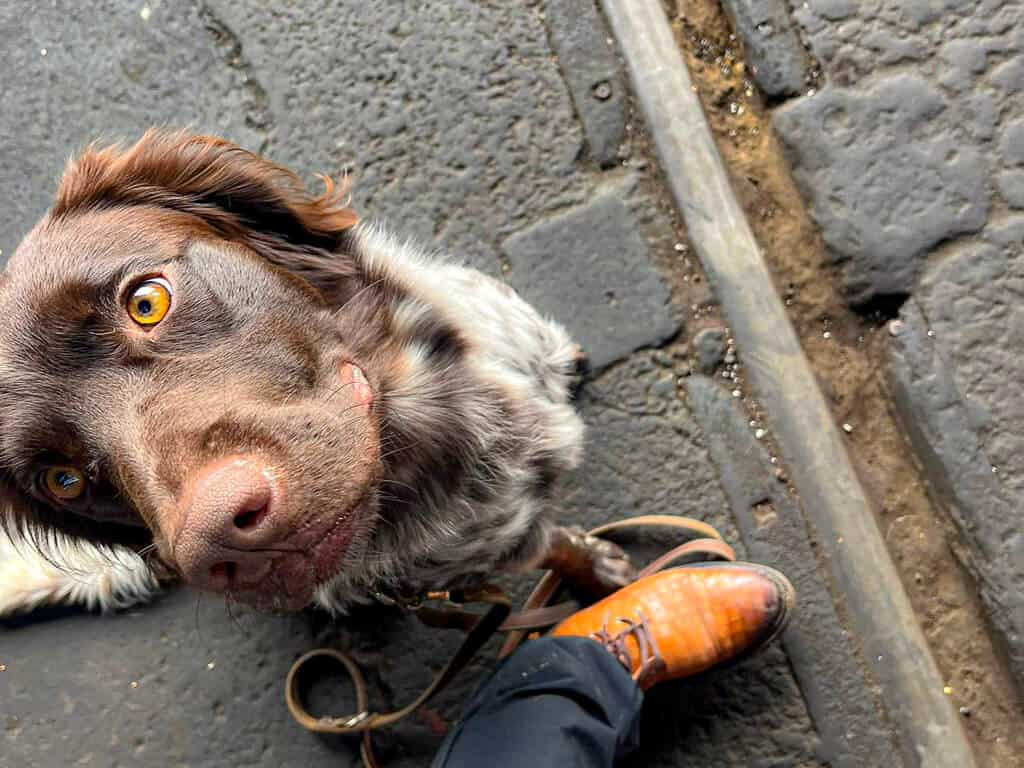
<point x="773" y="49"/>
<point x="589" y="269"/>
<point x="591" y="70"/>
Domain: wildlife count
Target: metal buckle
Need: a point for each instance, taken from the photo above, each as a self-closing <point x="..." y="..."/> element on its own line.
<point x="347" y="722"/>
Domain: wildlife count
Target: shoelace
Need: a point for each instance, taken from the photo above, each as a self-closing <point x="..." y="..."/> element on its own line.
<point x="651" y="660"/>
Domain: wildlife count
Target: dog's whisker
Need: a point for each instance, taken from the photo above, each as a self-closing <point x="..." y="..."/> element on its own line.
<point x="146" y="550"/>
<point x="359" y="293"/>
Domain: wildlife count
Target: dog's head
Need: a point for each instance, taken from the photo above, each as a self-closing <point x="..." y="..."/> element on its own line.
<point x="177" y="367"/>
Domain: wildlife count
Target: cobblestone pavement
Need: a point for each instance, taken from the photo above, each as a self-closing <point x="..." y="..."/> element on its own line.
<point x="501" y="132"/>
<point x="907" y="140"/>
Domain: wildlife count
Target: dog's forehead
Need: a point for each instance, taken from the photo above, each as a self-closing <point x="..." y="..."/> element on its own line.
<point x="57" y="269"/>
<point x="91" y="245"/>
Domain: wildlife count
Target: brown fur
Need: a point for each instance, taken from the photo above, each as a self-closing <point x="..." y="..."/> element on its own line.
<point x="445" y="477"/>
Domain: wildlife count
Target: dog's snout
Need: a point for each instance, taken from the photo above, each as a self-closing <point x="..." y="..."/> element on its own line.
<point x="228" y="525"/>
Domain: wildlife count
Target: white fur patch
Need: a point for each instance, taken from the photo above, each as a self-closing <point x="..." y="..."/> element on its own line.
<point x="77" y="573"/>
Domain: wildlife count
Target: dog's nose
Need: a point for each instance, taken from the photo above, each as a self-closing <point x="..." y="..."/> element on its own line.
<point x="229" y="525"/>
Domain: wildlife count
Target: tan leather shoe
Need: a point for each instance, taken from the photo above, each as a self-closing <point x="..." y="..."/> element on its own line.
<point x="685" y="620"/>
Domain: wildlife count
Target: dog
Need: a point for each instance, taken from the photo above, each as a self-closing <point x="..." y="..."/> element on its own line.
<point x="209" y="374"/>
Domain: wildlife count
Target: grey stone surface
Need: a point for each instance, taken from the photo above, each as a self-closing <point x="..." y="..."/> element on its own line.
<point x="458" y="128"/>
<point x="1011" y="187"/>
<point x="916" y="142"/>
<point x="956" y="370"/>
<point x="583" y="44"/>
<point x="902" y="147"/>
<point x="709" y="348"/>
<point x="451" y="116"/>
<point x="208" y="690"/>
<point x="773" y="49"/>
<point x="589" y="268"/>
<point x="885" y="176"/>
<point x="774" y="531"/>
<point x="1012" y="143"/>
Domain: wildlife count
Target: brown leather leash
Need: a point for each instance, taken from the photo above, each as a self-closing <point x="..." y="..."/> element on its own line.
<point x="706" y="544"/>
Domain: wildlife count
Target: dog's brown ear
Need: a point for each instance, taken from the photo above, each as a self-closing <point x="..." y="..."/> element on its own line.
<point x="238" y="194"/>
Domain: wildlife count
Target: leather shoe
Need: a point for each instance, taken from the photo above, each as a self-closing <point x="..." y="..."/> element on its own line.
<point x="685" y="620"/>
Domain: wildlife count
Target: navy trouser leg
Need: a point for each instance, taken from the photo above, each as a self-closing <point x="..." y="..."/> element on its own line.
<point x="557" y="702"/>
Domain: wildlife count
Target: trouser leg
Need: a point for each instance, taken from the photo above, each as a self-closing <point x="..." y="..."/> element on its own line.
<point x="556" y="702"/>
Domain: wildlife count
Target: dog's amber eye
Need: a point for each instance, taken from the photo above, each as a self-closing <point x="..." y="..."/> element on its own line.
<point x="64" y="483"/>
<point x="149" y="301"/>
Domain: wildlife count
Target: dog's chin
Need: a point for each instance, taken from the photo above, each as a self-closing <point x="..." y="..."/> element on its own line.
<point x="293" y="578"/>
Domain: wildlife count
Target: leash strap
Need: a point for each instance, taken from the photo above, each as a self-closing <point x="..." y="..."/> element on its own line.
<point x="706" y="544"/>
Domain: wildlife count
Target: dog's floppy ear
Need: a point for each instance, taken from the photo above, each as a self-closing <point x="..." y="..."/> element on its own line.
<point x="238" y="194"/>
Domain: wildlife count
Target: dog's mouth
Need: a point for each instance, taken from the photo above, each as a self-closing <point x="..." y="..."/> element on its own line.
<point x="312" y="558"/>
<point x="269" y="526"/>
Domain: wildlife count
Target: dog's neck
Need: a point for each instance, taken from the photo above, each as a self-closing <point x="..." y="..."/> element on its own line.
<point x="436" y="414"/>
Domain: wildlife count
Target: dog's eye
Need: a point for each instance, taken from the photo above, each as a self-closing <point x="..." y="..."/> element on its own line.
<point x="149" y="301"/>
<point x="64" y="483"/>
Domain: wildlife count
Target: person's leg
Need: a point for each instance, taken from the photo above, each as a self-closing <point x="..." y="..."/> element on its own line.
<point x="568" y="699"/>
<point x="558" y="702"/>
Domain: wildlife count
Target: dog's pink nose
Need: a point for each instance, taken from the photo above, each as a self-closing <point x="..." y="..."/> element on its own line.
<point x="229" y="526"/>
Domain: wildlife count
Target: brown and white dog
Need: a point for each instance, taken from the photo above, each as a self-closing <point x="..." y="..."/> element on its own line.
<point x="208" y="373"/>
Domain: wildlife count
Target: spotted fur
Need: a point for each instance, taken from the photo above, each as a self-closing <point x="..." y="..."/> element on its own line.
<point x="476" y="420"/>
